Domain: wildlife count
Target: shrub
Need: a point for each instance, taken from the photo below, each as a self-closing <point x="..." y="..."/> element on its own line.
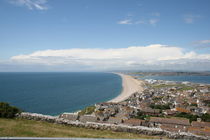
<point x="7" y="111"/>
<point x="187" y="115"/>
<point x="194" y="104"/>
<point x="206" y="117"/>
<point x="162" y="107"/>
<point x="87" y="110"/>
<point x="141" y="116"/>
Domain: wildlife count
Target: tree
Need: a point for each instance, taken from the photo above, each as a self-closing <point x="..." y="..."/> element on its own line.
<point x="7" y="111"/>
<point x="206" y="117"/>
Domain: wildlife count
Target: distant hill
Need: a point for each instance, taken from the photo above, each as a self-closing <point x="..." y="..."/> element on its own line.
<point x="179" y="73"/>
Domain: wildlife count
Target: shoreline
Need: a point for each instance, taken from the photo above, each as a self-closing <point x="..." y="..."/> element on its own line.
<point x="129" y="87"/>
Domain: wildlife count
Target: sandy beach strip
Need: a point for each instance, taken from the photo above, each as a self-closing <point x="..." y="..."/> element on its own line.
<point x="130" y="86"/>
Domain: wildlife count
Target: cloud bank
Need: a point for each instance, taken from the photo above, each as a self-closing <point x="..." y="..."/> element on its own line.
<point x="152" y="57"/>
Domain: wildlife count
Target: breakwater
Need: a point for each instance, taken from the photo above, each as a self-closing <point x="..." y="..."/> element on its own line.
<point x="118" y="128"/>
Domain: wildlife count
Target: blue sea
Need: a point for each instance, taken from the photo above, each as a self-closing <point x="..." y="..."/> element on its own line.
<point x="188" y="78"/>
<point x="55" y="93"/>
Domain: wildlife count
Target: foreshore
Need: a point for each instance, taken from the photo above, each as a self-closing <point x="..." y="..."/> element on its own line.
<point x="129" y="87"/>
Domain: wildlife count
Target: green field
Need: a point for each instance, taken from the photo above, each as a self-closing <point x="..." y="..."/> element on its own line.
<point x="182" y="86"/>
<point x="29" y="128"/>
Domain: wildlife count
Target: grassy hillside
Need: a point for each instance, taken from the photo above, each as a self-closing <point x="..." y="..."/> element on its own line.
<point x="29" y="128"/>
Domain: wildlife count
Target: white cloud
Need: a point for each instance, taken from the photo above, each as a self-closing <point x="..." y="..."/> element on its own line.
<point x="125" y="21"/>
<point x="189" y="19"/>
<point x="135" y="57"/>
<point x="31" y="4"/>
<point x="148" y="22"/>
<point x="153" y="21"/>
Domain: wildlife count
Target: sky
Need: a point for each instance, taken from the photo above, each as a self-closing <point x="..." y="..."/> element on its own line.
<point x="104" y="35"/>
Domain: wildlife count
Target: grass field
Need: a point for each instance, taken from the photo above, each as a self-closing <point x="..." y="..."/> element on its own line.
<point x="182" y="86"/>
<point x="29" y="128"/>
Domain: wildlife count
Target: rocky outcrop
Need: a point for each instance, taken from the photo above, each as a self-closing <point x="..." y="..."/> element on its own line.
<point x="119" y="128"/>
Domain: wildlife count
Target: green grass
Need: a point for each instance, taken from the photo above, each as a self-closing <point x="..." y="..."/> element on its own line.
<point x="182" y="87"/>
<point x="87" y="110"/>
<point x="30" y="128"/>
<point x="186" y="88"/>
<point x="162" y="86"/>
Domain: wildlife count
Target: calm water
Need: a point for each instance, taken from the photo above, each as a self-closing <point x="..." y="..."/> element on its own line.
<point x="54" y="93"/>
<point x="194" y="79"/>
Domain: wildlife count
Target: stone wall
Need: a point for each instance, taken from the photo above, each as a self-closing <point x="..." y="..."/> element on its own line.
<point x="113" y="127"/>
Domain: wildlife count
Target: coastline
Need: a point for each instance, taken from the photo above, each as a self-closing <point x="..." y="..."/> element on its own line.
<point x="129" y="87"/>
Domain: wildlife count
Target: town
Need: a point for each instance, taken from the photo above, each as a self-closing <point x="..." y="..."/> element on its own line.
<point x="168" y="105"/>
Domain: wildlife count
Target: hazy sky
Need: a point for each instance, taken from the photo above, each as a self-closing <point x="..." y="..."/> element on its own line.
<point x="98" y="35"/>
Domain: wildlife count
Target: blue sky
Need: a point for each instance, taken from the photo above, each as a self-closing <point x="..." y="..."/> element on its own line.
<point x="28" y="26"/>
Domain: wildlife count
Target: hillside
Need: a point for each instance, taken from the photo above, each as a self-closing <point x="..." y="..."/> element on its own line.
<point x="29" y="128"/>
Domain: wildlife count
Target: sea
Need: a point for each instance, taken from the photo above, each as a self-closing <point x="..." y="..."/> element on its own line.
<point x="183" y="78"/>
<point x="55" y="93"/>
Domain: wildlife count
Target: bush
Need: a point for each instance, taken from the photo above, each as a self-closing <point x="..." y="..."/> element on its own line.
<point x="7" y="111"/>
<point x="141" y="116"/>
<point x="188" y="116"/>
<point x="205" y="117"/>
<point x="162" y="107"/>
<point x="194" y="104"/>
